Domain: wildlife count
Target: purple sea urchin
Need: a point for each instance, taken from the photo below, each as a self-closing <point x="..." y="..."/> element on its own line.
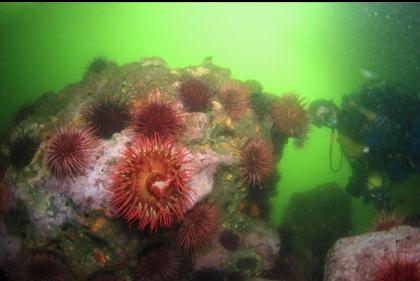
<point x="159" y="265"/>
<point x="108" y="115"/>
<point x="41" y="265"/>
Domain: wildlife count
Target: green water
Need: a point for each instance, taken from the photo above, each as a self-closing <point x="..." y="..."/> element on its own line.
<point x="316" y="49"/>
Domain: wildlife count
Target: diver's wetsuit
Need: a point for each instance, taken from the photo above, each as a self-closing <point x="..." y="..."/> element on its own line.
<point x="384" y="117"/>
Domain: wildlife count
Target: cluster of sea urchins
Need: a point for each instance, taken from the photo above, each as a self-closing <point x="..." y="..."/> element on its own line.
<point x="290" y="116"/>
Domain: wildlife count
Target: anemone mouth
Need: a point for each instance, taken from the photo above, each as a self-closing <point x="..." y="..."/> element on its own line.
<point x="150" y="184"/>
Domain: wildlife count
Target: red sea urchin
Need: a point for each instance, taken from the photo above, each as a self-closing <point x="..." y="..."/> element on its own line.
<point x="42" y="265"/>
<point x="401" y="266"/>
<point x="235" y="99"/>
<point x="198" y="227"/>
<point x="69" y="152"/>
<point x="257" y="161"/>
<point x="150" y="184"/>
<point x="158" y="119"/>
<point x="290" y="116"/>
<point x="159" y="265"/>
<point x="386" y="220"/>
<point x="195" y="94"/>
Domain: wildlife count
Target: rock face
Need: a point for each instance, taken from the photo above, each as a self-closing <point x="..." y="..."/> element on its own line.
<point x="313" y="221"/>
<point x="74" y="217"/>
<point x="359" y="257"/>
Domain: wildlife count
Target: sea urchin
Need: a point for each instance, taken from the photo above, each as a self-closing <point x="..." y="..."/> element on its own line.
<point x="257" y="161"/>
<point x="108" y="115"/>
<point x="69" y="152"/>
<point x="42" y="265"/>
<point x="23" y="148"/>
<point x="401" y="266"/>
<point x="159" y="265"/>
<point x="158" y="119"/>
<point x="150" y="184"/>
<point x="198" y="227"/>
<point x="235" y="99"/>
<point x="195" y="94"/>
<point x="386" y="220"/>
<point x="290" y="116"/>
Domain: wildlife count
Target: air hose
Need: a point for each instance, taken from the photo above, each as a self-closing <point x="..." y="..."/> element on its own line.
<point x="334" y="170"/>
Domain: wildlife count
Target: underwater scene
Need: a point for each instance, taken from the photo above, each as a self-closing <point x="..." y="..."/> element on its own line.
<point x="209" y="141"/>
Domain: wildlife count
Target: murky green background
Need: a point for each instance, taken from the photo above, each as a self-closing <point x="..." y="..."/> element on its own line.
<point x="320" y="50"/>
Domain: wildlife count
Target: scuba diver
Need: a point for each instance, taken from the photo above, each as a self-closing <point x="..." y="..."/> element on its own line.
<point x="379" y="133"/>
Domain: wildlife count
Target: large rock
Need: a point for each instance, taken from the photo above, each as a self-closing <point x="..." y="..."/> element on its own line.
<point x="358" y="257"/>
<point x="313" y="221"/>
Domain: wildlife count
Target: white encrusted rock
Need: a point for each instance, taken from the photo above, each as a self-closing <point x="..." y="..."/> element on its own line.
<point x="204" y="166"/>
<point x="357" y="257"/>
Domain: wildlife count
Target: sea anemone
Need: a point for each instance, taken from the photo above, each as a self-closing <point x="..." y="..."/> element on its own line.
<point x="69" y="152"/>
<point x="229" y="240"/>
<point x="235" y="99"/>
<point x="159" y="265"/>
<point x="387" y="220"/>
<point x="23" y="147"/>
<point x="401" y="266"/>
<point x="158" y="119"/>
<point x="108" y="115"/>
<point x="150" y="184"/>
<point x="290" y="115"/>
<point x="198" y="227"/>
<point x="257" y="161"/>
<point x="42" y="265"/>
<point x="195" y="94"/>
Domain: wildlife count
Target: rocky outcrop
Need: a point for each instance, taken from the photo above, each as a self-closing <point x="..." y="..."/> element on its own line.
<point x="359" y="257"/>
